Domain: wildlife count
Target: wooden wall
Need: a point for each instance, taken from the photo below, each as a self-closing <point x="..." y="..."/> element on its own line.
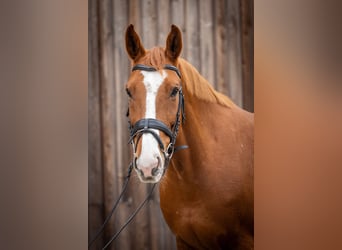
<point x="218" y="41"/>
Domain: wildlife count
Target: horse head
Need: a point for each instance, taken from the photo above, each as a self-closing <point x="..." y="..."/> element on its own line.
<point x="155" y="103"/>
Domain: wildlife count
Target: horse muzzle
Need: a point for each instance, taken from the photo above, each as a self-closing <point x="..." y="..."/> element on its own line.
<point x="149" y="170"/>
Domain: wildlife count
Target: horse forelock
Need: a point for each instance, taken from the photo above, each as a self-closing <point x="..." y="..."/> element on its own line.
<point x="154" y="57"/>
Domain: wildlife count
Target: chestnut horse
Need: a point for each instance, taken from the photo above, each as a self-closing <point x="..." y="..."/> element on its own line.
<point x="206" y="189"/>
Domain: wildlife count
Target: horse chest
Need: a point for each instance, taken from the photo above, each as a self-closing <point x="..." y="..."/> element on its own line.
<point x="194" y="224"/>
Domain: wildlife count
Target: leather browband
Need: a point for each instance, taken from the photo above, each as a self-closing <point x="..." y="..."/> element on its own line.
<point x="151" y="69"/>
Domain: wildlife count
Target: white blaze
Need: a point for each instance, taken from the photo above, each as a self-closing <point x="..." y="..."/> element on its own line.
<point x="150" y="148"/>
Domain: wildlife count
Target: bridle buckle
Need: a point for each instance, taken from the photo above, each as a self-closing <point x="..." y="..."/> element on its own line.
<point x="170" y="150"/>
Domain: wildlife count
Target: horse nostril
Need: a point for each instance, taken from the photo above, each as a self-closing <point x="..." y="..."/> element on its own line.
<point x="154" y="171"/>
<point x="135" y="163"/>
<point x="140" y="171"/>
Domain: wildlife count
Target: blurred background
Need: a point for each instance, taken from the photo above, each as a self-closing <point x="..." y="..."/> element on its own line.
<point x="217" y="40"/>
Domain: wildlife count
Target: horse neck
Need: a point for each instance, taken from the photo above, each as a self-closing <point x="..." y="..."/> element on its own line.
<point x="199" y="131"/>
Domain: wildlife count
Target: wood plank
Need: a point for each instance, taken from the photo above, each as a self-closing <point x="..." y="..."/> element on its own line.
<point x="191" y="38"/>
<point x="149" y="23"/>
<point x="95" y="220"/>
<point x="121" y="67"/>
<point x="107" y="112"/>
<point x="140" y="224"/>
<point x="207" y="39"/>
<point x="163" y="21"/>
<point x="221" y="83"/>
<point x="94" y="138"/>
<point x="234" y="69"/>
<point x="247" y="27"/>
<point x="95" y="190"/>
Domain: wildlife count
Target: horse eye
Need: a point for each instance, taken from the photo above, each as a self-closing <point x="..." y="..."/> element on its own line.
<point x="174" y="92"/>
<point x="128" y="93"/>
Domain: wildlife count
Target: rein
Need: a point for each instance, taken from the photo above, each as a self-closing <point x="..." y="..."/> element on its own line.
<point x="137" y="130"/>
<point x="130" y="168"/>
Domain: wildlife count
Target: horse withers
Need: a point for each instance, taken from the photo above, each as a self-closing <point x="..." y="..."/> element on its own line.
<point x="195" y="142"/>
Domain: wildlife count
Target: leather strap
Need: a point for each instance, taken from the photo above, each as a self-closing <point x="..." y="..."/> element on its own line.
<point x="152" y="69"/>
<point x="144" y="124"/>
<point x="143" y="67"/>
<point x="171" y="67"/>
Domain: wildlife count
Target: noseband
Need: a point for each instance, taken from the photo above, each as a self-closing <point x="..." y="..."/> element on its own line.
<point x="146" y="125"/>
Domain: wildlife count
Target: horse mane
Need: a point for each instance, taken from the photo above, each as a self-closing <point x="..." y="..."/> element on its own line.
<point x="196" y="85"/>
<point x="193" y="82"/>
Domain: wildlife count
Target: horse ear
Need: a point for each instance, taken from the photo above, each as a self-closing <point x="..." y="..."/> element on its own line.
<point x="134" y="47"/>
<point x="174" y="43"/>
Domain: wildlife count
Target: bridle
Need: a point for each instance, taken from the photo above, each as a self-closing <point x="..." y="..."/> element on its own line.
<point x="147" y="125"/>
<point x="136" y="131"/>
